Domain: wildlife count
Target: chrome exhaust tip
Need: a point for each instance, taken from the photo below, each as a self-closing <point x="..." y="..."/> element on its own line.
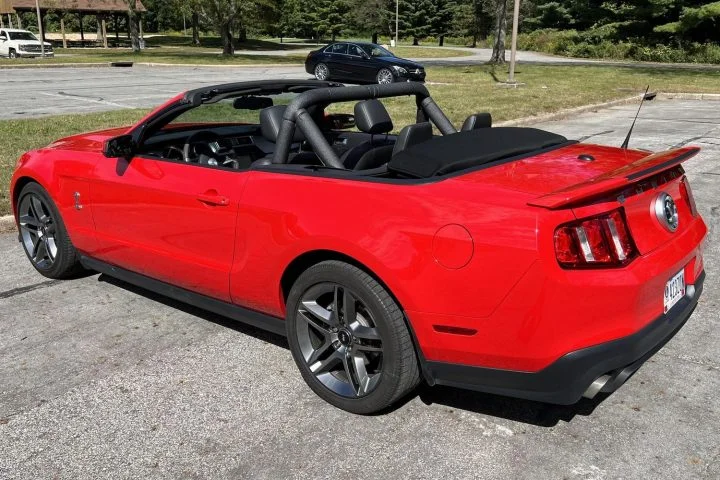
<point x="596" y="386"/>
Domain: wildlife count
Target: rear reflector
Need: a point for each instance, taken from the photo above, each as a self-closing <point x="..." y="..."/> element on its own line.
<point x="601" y="241"/>
<point x="687" y="195"/>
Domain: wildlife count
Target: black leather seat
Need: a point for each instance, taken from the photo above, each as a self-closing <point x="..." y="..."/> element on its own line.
<point x="412" y="135"/>
<point x="271" y="120"/>
<point x="409" y="136"/>
<point x="370" y="117"/>
<point x="477" y="120"/>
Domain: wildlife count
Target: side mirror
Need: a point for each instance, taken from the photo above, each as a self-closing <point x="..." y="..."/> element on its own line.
<point x="340" y="121"/>
<point x="120" y="147"/>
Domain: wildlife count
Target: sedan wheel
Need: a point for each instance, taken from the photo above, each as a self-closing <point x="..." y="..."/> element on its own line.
<point x="349" y="338"/>
<point x="385" y="76"/>
<point x="322" y="72"/>
<point x="43" y="234"/>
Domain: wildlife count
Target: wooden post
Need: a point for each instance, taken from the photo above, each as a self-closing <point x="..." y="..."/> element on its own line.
<point x="140" y="25"/>
<point x="62" y="29"/>
<point x="10" y="20"/>
<point x="104" y="32"/>
<point x="2" y="22"/>
<point x="19" y="21"/>
<point x="82" y="31"/>
<point x="117" y="29"/>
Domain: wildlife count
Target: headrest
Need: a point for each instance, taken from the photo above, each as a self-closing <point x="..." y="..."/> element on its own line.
<point x="412" y="135"/>
<point x="372" y="117"/>
<point x="271" y="120"/>
<point x="477" y="120"/>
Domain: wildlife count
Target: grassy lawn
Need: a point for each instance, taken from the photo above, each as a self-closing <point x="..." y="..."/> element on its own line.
<point x="179" y="49"/>
<point x="184" y="55"/>
<point x="423" y="52"/>
<point x="458" y="90"/>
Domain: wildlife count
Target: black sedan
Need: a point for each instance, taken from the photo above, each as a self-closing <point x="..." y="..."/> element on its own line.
<point x="361" y="62"/>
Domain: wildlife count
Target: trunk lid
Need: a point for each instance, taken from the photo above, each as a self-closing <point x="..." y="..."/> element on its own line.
<point x="593" y="179"/>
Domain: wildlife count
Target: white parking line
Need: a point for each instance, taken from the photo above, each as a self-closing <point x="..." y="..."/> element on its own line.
<point x="85" y="99"/>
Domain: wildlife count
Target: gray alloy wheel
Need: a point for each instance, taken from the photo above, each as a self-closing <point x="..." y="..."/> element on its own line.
<point x="385" y="76"/>
<point x="349" y="338"/>
<point x="38" y="230"/>
<point x="322" y="72"/>
<point x="12" y="54"/>
<point x="43" y="234"/>
<point x="339" y="341"/>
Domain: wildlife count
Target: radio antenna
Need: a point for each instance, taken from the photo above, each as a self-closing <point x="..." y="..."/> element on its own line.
<point x="646" y="96"/>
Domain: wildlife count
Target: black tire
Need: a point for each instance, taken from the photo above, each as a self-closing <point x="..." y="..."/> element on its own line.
<point x="12" y="53"/>
<point x="385" y="76"/>
<point x="399" y="370"/>
<point x="49" y="224"/>
<point x="321" y="72"/>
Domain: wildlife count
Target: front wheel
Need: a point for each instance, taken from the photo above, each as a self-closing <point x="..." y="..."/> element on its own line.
<point x="43" y="234"/>
<point x="12" y="53"/>
<point x="385" y="76"/>
<point x="349" y="339"/>
<point x="322" y="72"/>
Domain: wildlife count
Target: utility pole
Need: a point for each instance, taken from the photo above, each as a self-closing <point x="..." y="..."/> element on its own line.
<point x="513" y="50"/>
<point x="397" y="21"/>
<point x="40" y="29"/>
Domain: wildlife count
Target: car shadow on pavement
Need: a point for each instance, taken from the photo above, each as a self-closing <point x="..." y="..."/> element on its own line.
<point x="518" y="410"/>
<point x="240" y="327"/>
<point x="515" y="409"/>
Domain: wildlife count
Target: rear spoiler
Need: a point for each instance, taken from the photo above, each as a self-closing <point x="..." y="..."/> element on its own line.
<point x="615" y="180"/>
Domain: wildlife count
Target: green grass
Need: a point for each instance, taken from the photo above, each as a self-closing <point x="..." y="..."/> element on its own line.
<point x="458" y="90"/>
<point x="423" y="52"/>
<point x="184" y="55"/>
<point x="177" y="49"/>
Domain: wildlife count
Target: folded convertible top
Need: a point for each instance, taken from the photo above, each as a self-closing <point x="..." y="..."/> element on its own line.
<point x="462" y="150"/>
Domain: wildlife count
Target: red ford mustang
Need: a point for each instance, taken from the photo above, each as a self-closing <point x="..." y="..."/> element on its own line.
<point x="505" y="260"/>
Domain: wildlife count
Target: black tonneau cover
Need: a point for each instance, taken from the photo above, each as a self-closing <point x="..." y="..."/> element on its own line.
<point x="458" y="151"/>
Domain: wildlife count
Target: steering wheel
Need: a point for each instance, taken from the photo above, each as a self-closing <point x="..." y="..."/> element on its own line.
<point x="198" y="148"/>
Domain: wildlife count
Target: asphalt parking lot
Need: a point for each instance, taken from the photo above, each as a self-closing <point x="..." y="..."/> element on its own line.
<point x="37" y="92"/>
<point x="99" y="379"/>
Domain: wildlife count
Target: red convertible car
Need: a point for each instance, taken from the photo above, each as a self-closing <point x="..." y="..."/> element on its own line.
<point x="505" y="260"/>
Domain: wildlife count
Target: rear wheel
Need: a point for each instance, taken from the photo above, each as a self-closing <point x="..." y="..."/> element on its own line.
<point x="349" y="338"/>
<point x="385" y="76"/>
<point x="43" y="234"/>
<point x="322" y="72"/>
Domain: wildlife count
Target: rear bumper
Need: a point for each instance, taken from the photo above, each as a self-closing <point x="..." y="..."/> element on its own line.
<point x="568" y="378"/>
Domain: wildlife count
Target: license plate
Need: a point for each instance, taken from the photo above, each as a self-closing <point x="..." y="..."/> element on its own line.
<point x="674" y="290"/>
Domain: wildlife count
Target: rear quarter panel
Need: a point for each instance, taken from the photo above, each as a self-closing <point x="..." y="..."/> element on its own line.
<point x="389" y="228"/>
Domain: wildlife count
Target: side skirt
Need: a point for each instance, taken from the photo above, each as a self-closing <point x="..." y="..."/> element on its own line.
<point x="229" y="310"/>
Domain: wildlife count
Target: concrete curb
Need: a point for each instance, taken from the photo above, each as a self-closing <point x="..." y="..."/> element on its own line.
<point x="205" y="65"/>
<point x="562" y="114"/>
<point x="30" y="66"/>
<point x="7" y="224"/>
<point x="146" y="64"/>
<point x="689" y="96"/>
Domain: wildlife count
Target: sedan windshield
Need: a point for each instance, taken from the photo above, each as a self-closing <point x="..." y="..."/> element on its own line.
<point x="21" y="36"/>
<point x="376" y="51"/>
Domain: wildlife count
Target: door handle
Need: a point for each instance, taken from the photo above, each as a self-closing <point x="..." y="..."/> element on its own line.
<point x="213" y="198"/>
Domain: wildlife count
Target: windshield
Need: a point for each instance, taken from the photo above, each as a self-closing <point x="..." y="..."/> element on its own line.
<point x="21" y="36"/>
<point x="242" y="110"/>
<point x="376" y="51"/>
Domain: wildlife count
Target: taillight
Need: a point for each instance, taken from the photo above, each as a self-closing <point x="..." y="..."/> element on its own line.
<point x="601" y="241"/>
<point x="687" y="195"/>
